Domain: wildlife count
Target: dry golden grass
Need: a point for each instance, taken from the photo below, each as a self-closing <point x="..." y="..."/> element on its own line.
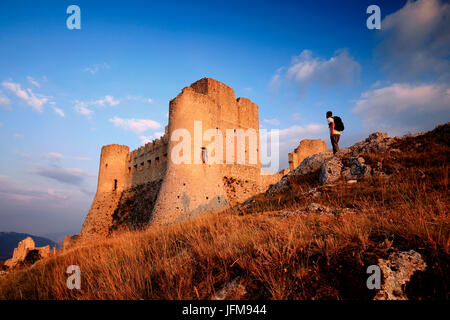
<point x="301" y="256"/>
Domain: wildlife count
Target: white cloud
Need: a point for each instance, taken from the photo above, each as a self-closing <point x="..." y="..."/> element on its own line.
<point x="402" y="107"/>
<point x="338" y="70"/>
<point x="56" y="194"/>
<point x="136" y="125"/>
<point x="290" y="137"/>
<point x="80" y="107"/>
<point x="416" y="40"/>
<point x="83" y="107"/>
<point x="54" y="156"/>
<point x="107" y="100"/>
<point x="139" y="98"/>
<point x="59" y="112"/>
<point x="275" y="82"/>
<point x="96" y="68"/>
<point x="83" y="158"/>
<point x="17" y="136"/>
<point x="272" y="122"/>
<point x="33" y="81"/>
<point x="306" y="70"/>
<point x="299" y="131"/>
<point x="5" y="102"/>
<point x="150" y="138"/>
<point x="35" y="101"/>
<point x="145" y="139"/>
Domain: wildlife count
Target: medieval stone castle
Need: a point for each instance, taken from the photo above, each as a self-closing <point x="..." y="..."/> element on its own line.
<point x="149" y="186"/>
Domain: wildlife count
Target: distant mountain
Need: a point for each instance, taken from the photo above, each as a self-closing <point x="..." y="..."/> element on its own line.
<point x="9" y="241"/>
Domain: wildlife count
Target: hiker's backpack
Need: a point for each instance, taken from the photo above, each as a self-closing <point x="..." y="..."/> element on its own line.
<point x="338" y="124"/>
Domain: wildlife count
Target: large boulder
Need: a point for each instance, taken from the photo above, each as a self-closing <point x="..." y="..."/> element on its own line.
<point x="310" y="164"/>
<point x="330" y="171"/>
<point x="355" y="168"/>
<point x="397" y="271"/>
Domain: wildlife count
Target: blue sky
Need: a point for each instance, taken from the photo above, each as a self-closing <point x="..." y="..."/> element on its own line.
<point x="65" y="93"/>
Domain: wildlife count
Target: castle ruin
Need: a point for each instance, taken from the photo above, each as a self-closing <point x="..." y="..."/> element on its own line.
<point x="305" y="149"/>
<point x="150" y="185"/>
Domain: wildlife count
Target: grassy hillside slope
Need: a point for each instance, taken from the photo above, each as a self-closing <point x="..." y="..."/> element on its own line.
<point x="276" y="247"/>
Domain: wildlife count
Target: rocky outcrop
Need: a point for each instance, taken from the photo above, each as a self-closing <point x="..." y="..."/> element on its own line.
<point x="397" y="271"/>
<point x="355" y="168"/>
<point x="308" y="165"/>
<point x="347" y="164"/>
<point x="376" y="142"/>
<point x="27" y="252"/>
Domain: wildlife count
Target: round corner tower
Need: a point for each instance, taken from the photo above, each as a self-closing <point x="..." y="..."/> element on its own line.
<point x="111" y="183"/>
<point x="112" y="171"/>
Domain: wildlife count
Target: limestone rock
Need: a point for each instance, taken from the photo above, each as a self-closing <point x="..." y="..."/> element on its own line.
<point x="230" y="289"/>
<point x="318" y="208"/>
<point x="355" y="168"/>
<point x="397" y="271"/>
<point x="376" y="142"/>
<point x="312" y="163"/>
<point x="308" y="165"/>
<point x="331" y="171"/>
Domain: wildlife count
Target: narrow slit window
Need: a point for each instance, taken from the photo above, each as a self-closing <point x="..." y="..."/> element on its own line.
<point x="149" y="163"/>
<point x="204" y="155"/>
<point x="115" y="184"/>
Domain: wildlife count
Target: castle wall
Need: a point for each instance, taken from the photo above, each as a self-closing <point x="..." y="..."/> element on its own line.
<point x="147" y="163"/>
<point x="306" y="148"/>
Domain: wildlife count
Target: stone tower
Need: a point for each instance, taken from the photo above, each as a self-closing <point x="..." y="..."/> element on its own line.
<point x="111" y="183"/>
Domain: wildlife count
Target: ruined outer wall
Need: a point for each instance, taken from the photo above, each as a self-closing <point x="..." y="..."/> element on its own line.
<point x="305" y="149"/>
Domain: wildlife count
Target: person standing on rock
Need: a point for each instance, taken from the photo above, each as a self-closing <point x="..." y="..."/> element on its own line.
<point x="335" y="134"/>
